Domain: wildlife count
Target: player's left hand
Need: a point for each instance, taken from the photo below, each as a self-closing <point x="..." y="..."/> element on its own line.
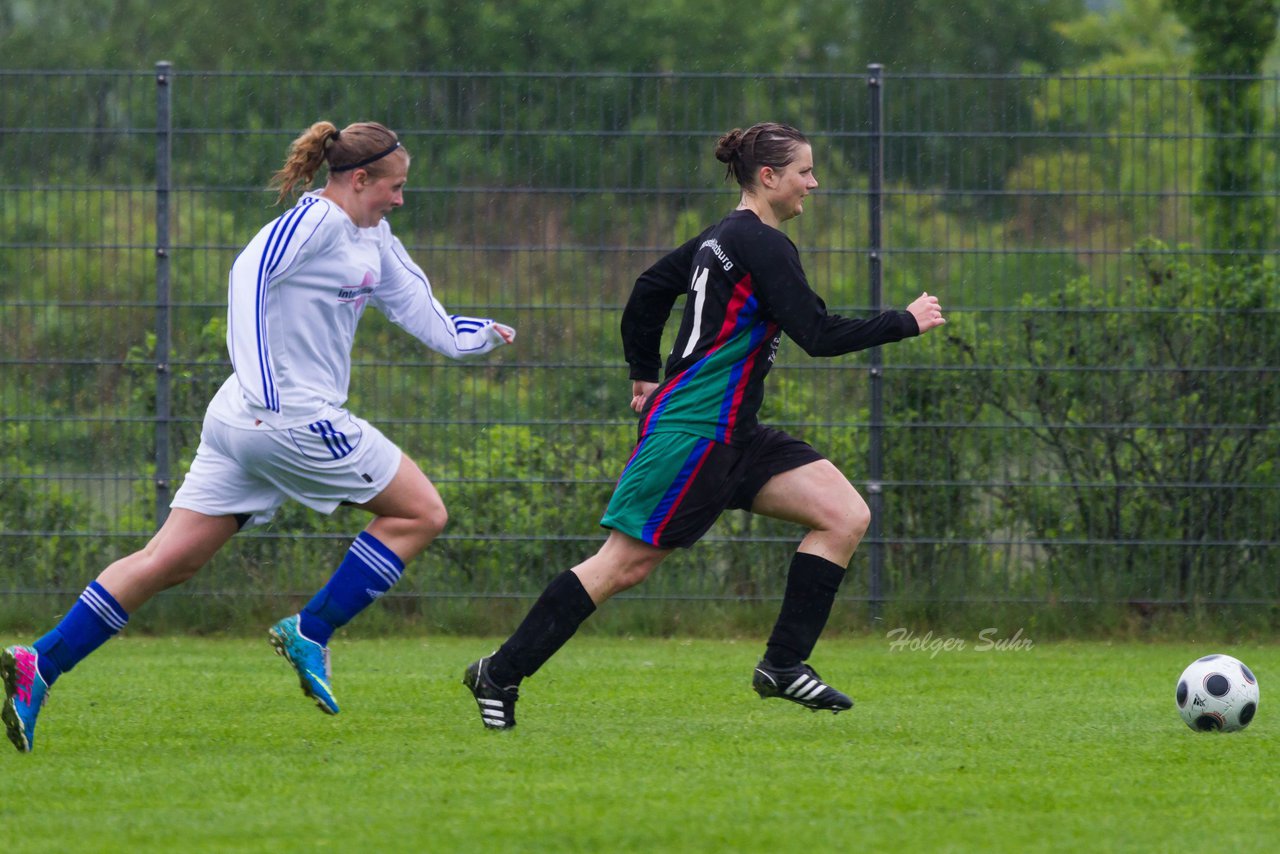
<point x="508" y="333"/>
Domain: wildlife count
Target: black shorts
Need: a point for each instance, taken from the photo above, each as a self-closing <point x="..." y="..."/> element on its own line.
<point x="676" y="485"/>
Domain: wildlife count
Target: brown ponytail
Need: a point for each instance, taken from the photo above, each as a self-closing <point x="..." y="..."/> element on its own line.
<point x="360" y="145"/>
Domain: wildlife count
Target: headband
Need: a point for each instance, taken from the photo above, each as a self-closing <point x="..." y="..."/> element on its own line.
<point x="367" y="160"/>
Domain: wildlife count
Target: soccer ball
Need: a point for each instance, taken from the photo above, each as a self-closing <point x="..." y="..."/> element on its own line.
<point x="1217" y="693"/>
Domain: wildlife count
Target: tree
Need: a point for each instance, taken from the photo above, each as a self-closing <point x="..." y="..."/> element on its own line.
<point x="964" y="38"/>
<point x="428" y="35"/>
<point x="1230" y="40"/>
<point x="1133" y="37"/>
<point x="967" y="36"/>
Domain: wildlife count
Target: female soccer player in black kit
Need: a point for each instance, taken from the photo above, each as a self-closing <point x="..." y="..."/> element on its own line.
<point x="700" y="448"/>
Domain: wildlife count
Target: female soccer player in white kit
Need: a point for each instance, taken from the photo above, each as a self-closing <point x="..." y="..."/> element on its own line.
<point x="277" y="428"/>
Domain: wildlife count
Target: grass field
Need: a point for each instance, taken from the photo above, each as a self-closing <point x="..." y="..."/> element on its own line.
<point x="641" y="745"/>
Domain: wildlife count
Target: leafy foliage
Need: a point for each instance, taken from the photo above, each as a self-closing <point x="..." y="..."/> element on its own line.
<point x="544" y="194"/>
<point x="45" y="542"/>
<point x="1232" y="39"/>
<point x="1149" y="406"/>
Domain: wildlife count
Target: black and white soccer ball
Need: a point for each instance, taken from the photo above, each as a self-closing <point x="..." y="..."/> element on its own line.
<point x="1217" y="693"/>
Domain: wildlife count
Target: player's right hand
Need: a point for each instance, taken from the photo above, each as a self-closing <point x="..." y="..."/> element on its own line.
<point x="640" y="391"/>
<point x="927" y="312"/>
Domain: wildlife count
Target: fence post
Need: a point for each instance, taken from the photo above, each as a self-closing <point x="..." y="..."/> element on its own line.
<point x="875" y="467"/>
<point x="164" y="181"/>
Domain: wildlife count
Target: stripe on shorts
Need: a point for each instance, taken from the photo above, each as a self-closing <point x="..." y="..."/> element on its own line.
<point x="676" y="492"/>
<point x="334" y="440"/>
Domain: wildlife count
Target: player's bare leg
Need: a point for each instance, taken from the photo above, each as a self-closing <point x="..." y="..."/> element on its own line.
<point x="184" y="544"/>
<point x="819" y="497"/>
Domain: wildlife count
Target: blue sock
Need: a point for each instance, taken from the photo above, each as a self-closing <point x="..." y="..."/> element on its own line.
<point x="368" y="571"/>
<point x="90" y="623"/>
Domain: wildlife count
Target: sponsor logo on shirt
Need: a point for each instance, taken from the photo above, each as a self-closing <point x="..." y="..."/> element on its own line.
<point x="714" y="246"/>
<point x="357" y="293"/>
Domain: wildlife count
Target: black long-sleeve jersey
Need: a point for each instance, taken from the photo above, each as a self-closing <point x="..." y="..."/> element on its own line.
<point x="744" y="286"/>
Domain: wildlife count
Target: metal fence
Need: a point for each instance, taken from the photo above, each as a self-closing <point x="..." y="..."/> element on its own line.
<point x="1097" y="423"/>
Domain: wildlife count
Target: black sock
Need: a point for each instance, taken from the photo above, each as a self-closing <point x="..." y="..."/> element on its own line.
<point x="812" y="583"/>
<point x="562" y="607"/>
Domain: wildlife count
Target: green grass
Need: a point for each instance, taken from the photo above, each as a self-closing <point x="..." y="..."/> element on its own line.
<point x="639" y="745"/>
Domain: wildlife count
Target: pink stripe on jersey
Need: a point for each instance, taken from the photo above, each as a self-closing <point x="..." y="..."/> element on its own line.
<point x="742" y="294"/>
<point x="744" y="380"/>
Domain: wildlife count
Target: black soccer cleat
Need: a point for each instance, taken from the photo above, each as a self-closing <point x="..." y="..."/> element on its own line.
<point x="497" y="705"/>
<point x="800" y="684"/>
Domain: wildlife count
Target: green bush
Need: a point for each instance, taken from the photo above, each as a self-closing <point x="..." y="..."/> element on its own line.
<point x="1144" y="463"/>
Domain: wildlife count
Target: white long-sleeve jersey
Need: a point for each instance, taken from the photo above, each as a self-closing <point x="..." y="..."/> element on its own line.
<point x="297" y="292"/>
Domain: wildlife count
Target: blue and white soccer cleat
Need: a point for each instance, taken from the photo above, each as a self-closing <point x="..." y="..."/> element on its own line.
<point x="24" y="694"/>
<point x="309" y="659"/>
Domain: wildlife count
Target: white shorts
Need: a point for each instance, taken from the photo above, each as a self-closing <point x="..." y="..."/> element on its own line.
<point x="251" y="472"/>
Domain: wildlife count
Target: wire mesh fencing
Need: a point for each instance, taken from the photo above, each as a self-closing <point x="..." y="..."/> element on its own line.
<point x="1096" y="425"/>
